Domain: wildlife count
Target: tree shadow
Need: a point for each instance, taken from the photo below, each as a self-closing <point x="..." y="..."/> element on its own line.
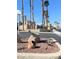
<point x="36" y="47"/>
<point x="43" y="41"/>
<point x="21" y="48"/>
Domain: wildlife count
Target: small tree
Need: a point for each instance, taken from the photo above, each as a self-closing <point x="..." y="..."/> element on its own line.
<point x="56" y="24"/>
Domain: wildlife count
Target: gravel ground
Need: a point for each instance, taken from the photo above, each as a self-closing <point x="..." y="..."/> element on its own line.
<point x="41" y="48"/>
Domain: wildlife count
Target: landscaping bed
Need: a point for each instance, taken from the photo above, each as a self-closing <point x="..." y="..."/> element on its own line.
<point x="41" y="47"/>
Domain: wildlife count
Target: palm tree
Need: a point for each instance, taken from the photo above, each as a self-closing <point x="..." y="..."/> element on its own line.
<point x="56" y="22"/>
<point x="46" y="3"/>
<point x="23" y="12"/>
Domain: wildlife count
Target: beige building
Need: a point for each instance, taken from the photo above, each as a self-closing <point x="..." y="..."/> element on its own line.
<point x="28" y="25"/>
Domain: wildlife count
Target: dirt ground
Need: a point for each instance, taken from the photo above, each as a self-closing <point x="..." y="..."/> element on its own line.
<point x="41" y="47"/>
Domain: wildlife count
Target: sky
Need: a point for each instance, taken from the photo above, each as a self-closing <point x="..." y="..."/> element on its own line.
<point x="54" y="10"/>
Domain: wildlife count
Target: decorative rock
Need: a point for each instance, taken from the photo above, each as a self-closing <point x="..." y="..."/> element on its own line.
<point x="31" y="42"/>
<point x="37" y="39"/>
<point x="51" y="41"/>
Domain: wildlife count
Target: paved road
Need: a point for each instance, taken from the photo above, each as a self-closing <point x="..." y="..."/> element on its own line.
<point x="42" y="35"/>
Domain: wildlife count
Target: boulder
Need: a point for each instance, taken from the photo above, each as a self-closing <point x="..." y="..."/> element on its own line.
<point x="51" y="41"/>
<point x="31" y="42"/>
<point x="37" y="37"/>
